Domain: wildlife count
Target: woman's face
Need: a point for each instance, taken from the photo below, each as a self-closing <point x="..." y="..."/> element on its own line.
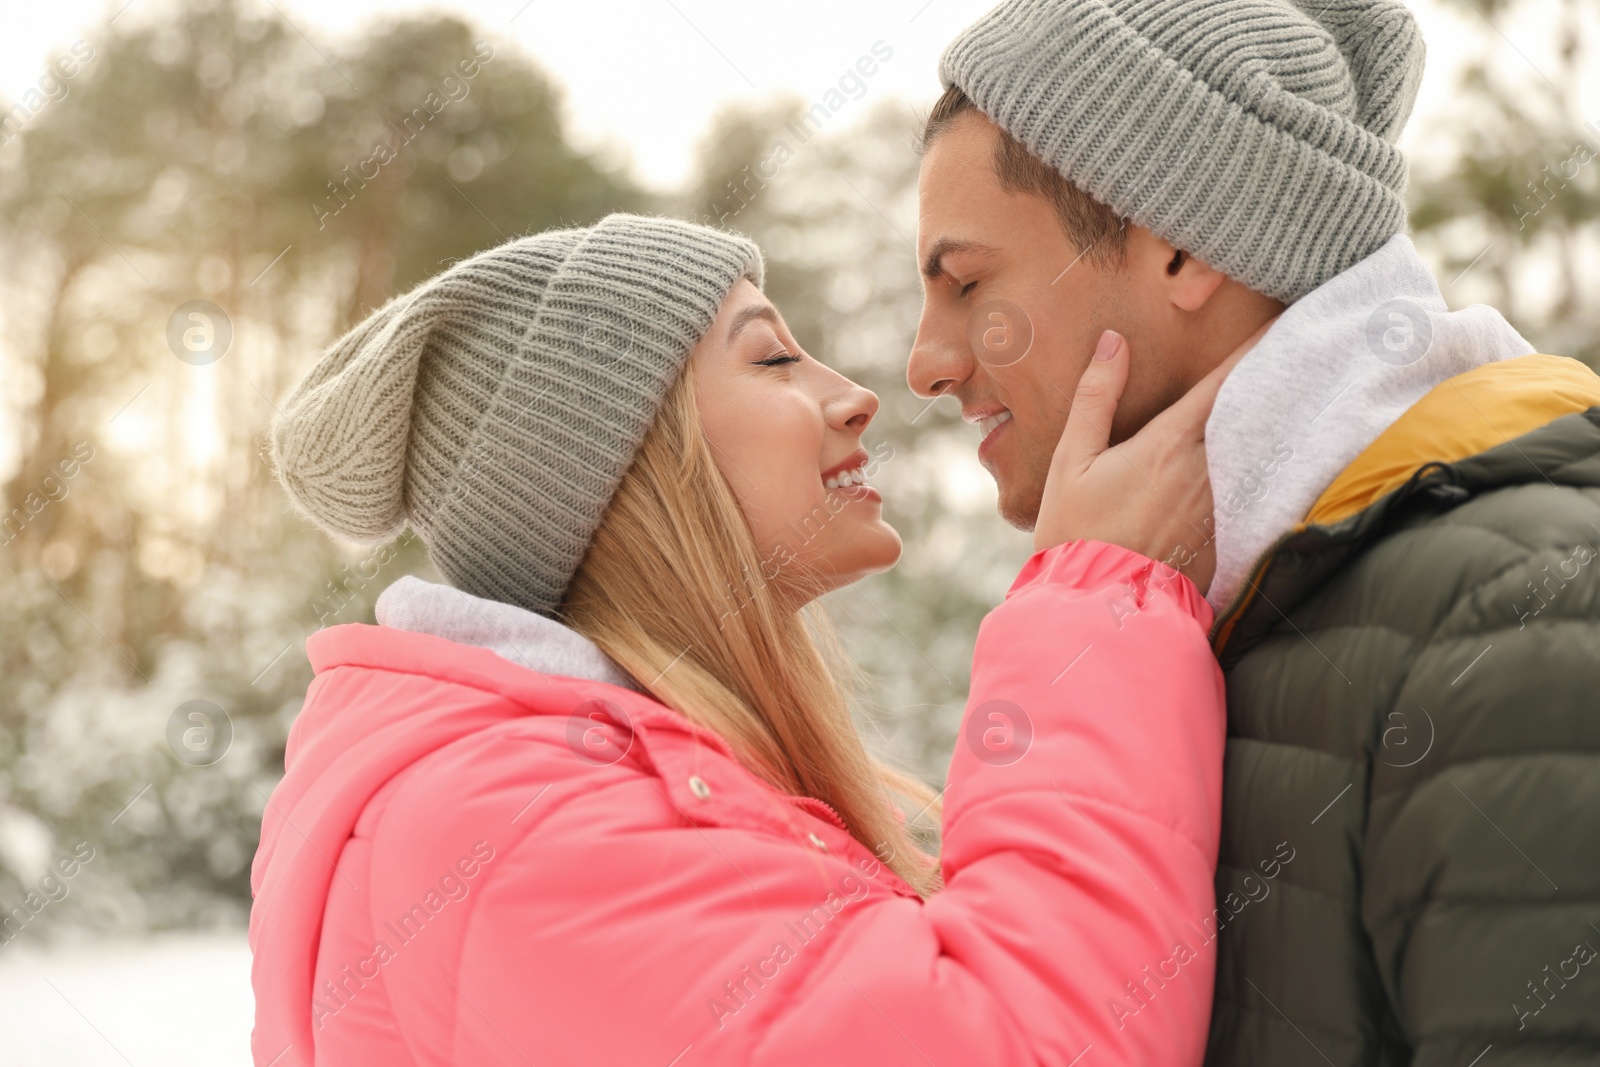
<point x="786" y="434"/>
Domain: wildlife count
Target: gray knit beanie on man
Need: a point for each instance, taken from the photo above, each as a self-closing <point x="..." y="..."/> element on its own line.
<point x="1257" y="135"/>
<point x="497" y="405"/>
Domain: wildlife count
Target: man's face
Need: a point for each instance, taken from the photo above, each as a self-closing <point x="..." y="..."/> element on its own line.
<point x="1011" y="313"/>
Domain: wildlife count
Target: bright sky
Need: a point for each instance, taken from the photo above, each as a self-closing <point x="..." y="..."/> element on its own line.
<point x="646" y="76"/>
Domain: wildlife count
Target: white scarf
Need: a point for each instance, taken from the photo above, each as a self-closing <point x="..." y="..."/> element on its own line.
<point x="1339" y="366"/>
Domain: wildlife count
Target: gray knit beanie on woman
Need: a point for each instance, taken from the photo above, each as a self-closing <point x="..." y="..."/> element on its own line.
<point x="1257" y="135"/>
<point x="497" y="405"/>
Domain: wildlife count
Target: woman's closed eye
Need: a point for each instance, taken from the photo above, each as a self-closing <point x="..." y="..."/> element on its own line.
<point x="777" y="360"/>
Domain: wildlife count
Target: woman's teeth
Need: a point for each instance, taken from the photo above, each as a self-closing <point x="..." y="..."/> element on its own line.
<point x="989" y="424"/>
<point x="845" y="479"/>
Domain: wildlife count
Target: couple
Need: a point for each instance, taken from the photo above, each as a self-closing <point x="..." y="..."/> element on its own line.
<point x="601" y="798"/>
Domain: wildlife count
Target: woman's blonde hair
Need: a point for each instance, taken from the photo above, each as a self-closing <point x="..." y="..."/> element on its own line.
<point x="675" y="590"/>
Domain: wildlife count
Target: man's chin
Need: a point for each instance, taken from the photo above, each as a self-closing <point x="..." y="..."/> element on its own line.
<point x="1020" y="495"/>
<point x="1019" y="509"/>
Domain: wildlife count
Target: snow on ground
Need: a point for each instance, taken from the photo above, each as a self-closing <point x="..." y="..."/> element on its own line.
<point x="171" y="1001"/>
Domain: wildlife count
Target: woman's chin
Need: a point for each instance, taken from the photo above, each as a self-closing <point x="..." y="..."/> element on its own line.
<point x="869" y="551"/>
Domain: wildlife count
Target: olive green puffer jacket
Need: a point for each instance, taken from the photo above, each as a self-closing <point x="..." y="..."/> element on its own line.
<point x="1410" y="862"/>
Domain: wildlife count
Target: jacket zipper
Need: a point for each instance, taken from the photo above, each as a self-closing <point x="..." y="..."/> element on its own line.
<point x="1250" y="589"/>
<point x="804" y="802"/>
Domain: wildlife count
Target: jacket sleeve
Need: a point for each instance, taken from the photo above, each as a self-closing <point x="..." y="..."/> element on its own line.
<point x="1080" y="835"/>
<point x="1480" y="864"/>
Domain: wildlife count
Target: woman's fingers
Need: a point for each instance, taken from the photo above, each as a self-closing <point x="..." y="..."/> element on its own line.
<point x="1088" y="429"/>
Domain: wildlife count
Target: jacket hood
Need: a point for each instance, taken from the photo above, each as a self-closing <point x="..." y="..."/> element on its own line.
<point x="517" y="634"/>
<point x="1509" y="422"/>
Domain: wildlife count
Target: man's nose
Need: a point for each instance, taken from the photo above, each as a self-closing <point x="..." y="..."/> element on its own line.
<point x="941" y="358"/>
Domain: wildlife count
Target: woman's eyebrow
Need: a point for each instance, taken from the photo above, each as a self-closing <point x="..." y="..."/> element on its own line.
<point x="750" y="314"/>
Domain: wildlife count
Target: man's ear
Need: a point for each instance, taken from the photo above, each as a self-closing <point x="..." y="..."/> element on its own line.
<point x="1190" y="281"/>
<point x="1182" y="280"/>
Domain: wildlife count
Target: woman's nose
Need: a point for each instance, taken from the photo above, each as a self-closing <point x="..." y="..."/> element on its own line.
<point x="855" y="407"/>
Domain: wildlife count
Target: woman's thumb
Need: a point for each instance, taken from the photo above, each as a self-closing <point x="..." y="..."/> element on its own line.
<point x="1088" y="430"/>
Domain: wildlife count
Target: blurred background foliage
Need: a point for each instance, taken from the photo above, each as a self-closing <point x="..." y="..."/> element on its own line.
<point x="205" y="155"/>
<point x="1507" y="210"/>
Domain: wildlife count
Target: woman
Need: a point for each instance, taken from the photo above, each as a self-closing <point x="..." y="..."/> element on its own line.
<point x="600" y="800"/>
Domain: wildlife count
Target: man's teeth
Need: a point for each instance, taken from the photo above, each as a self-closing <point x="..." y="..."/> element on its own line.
<point x="845" y="479"/>
<point x="989" y="423"/>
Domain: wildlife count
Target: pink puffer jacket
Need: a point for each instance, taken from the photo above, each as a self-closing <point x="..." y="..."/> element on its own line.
<point x="465" y="864"/>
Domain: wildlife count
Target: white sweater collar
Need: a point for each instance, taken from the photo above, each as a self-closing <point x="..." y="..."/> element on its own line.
<point x="1338" y="368"/>
<point x="513" y="633"/>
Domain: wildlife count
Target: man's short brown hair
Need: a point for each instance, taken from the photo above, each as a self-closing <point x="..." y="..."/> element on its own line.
<point x="1099" y="232"/>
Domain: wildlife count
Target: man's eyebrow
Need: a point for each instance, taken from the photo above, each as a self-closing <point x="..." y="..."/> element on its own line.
<point x="746" y="315"/>
<point x="933" y="266"/>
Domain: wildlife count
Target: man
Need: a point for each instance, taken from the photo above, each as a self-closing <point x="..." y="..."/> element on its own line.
<point x="1407" y="502"/>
